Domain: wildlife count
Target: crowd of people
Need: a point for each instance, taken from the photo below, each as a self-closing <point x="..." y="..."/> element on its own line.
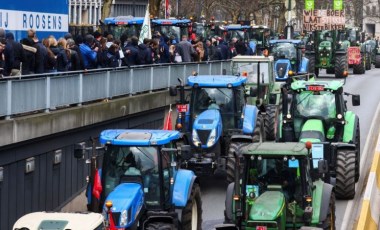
<point x="92" y="51"/>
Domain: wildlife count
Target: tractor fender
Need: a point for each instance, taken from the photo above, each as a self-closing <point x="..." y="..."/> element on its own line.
<point x="325" y="201"/>
<point x="303" y="68"/>
<point x="228" y="203"/>
<point x="241" y="138"/>
<point x="350" y="127"/>
<point x="183" y="184"/>
<point x="321" y="200"/>
<point x="250" y="117"/>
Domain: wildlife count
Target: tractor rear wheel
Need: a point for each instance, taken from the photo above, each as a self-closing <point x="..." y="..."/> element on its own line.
<point x="377" y="61"/>
<point x="192" y="213"/>
<point x="329" y="222"/>
<point x="357" y="150"/>
<point x="311" y="64"/>
<point x="359" y="68"/>
<point x="231" y="160"/>
<point x="160" y="226"/>
<point x="345" y="174"/>
<point x="270" y="122"/>
<point x="368" y="62"/>
<point x="340" y="65"/>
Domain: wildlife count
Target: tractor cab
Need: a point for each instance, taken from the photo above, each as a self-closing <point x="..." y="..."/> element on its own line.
<point x="172" y="27"/>
<point x="277" y="189"/>
<point x="289" y="58"/>
<point x="138" y="175"/>
<point x="128" y="25"/>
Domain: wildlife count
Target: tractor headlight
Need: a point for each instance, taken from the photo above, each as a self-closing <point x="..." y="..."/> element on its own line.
<point x="196" y="140"/>
<point x="339" y="116"/>
<point x="124" y="218"/>
<point x="211" y="138"/>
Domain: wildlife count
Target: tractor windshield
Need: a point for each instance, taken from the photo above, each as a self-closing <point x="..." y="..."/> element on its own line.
<point x="284" y="50"/>
<point x="320" y="103"/>
<point x="250" y="69"/>
<point x="266" y="173"/>
<point x="129" y="30"/>
<point x="124" y="164"/>
<point x="215" y="98"/>
<point x="171" y="31"/>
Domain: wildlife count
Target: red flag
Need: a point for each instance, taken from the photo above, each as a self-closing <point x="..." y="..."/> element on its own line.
<point x="97" y="187"/>
<point x="166" y="8"/>
<point x="168" y="120"/>
<point x="111" y="222"/>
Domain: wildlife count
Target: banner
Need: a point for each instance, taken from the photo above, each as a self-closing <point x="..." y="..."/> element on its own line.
<point x="323" y="20"/>
<point x="309" y="4"/>
<point x="338" y="5"/>
<point x="145" y="29"/>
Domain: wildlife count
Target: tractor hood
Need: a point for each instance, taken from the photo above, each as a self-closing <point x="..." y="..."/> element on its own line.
<point x="127" y="200"/>
<point x="312" y="131"/>
<point x="268" y="206"/>
<point x="207" y="124"/>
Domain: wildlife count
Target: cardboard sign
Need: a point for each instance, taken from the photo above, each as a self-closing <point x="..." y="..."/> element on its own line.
<point x="323" y="20"/>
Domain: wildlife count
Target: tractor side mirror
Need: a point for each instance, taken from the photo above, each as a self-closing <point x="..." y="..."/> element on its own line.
<point x="185" y="152"/>
<point x="355" y="100"/>
<point x="79" y="150"/>
<point x="253" y="91"/>
<point x="323" y="166"/>
<point x="173" y="91"/>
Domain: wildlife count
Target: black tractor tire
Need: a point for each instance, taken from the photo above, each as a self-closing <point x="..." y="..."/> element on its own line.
<point x="345" y="174"/>
<point x="330" y="70"/>
<point x="231" y="161"/>
<point x="259" y="131"/>
<point x="329" y="222"/>
<point x="270" y="122"/>
<point x="228" y="204"/>
<point x="357" y="152"/>
<point x="160" y="226"/>
<point x="377" y="61"/>
<point x="340" y="65"/>
<point x="311" y="67"/>
<point x="316" y="71"/>
<point x="193" y="204"/>
<point x="368" y="62"/>
<point x="358" y="69"/>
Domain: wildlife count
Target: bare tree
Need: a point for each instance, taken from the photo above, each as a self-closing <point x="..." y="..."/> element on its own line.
<point x="154" y="7"/>
<point x="106" y="9"/>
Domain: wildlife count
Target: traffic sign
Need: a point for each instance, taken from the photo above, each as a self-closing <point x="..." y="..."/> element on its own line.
<point x="292" y="4"/>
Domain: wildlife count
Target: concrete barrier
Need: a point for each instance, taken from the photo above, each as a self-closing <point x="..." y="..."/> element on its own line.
<point x="370" y="210"/>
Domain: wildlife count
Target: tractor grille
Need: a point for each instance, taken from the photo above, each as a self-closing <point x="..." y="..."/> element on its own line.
<point x="281" y="69"/>
<point x="203" y="135"/>
<point x="116" y="217"/>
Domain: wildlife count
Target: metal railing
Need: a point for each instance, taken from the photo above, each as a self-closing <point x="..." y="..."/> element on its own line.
<point x="46" y="92"/>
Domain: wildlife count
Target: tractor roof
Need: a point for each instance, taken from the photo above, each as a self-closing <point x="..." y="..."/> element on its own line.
<point x="168" y="22"/>
<point x="216" y="80"/>
<point x="326" y="85"/>
<point x="236" y="27"/>
<point x="276" y="149"/>
<point x="241" y="58"/>
<point x="138" y="137"/>
<point x="124" y="20"/>
<point x="294" y="41"/>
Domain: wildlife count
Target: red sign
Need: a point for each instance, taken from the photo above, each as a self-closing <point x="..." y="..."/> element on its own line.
<point x="354" y="56"/>
<point x="261" y="227"/>
<point x="182" y="108"/>
<point x="315" y="87"/>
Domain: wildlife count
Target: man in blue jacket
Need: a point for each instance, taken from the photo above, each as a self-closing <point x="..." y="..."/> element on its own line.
<point x="89" y="55"/>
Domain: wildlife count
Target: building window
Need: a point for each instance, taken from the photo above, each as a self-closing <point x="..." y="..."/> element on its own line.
<point x="368" y="11"/>
<point x="374" y="11"/>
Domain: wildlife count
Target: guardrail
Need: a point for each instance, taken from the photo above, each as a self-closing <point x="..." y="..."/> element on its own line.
<point x="33" y="93"/>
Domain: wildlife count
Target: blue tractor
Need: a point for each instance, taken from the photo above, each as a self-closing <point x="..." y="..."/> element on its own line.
<point x="129" y="25"/>
<point x="172" y="28"/>
<point x="289" y="58"/>
<point x="214" y="119"/>
<point x="139" y="186"/>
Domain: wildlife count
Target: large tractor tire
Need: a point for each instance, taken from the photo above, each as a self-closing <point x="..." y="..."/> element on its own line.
<point x="359" y="69"/>
<point x="231" y="160"/>
<point x="340" y="65"/>
<point x="311" y="64"/>
<point x="377" y="61"/>
<point x="160" y="226"/>
<point x="329" y="222"/>
<point x="345" y="174"/>
<point x="270" y="122"/>
<point x="192" y="213"/>
<point x="228" y="211"/>
<point x="357" y="152"/>
<point x="368" y="62"/>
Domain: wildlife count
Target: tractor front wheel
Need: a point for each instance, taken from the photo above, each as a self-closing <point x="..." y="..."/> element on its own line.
<point x="357" y="150"/>
<point x="192" y="213"/>
<point x="359" y="68"/>
<point x="270" y="122"/>
<point x="377" y="61"/>
<point x="345" y="174"/>
<point x="231" y="160"/>
<point x="340" y="65"/>
<point x="368" y="62"/>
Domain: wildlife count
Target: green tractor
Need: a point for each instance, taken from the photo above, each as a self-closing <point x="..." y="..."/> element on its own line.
<point x="261" y="79"/>
<point x="374" y="51"/>
<point x="316" y="111"/>
<point x="282" y="187"/>
<point x="327" y="50"/>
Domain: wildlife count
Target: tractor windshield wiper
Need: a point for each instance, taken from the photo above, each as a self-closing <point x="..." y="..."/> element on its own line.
<point x="305" y="98"/>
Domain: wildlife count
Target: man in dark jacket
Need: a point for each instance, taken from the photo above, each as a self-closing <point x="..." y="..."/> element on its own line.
<point x="185" y="49"/>
<point x="131" y="52"/>
<point x="223" y="48"/>
<point x="40" y="54"/>
<point x="145" y="53"/>
<point x="13" y="55"/>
